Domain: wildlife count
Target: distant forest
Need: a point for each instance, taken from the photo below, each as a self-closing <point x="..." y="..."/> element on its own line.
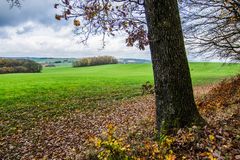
<point x="19" y="66"/>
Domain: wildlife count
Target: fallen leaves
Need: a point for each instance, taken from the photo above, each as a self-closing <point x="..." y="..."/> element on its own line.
<point x="68" y="137"/>
<point x="224" y="94"/>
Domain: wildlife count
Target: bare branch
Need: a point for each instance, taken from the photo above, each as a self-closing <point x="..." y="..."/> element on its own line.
<point x="212" y="26"/>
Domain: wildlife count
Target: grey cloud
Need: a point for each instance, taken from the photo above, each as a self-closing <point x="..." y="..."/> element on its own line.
<point x="25" y="29"/>
<point x="49" y="37"/>
<point x="32" y="10"/>
<point x="4" y="34"/>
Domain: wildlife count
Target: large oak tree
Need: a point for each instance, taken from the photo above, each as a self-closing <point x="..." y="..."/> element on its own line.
<point x="145" y="22"/>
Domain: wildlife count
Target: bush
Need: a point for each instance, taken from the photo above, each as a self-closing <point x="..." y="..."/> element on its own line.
<point x="58" y="62"/>
<point x="147" y="88"/>
<point x="19" y="66"/>
<point x="110" y="147"/>
<point x="93" y="61"/>
<point x="50" y="65"/>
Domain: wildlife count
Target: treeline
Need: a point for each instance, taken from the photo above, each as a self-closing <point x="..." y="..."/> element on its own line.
<point x="94" y="61"/>
<point x="19" y="66"/>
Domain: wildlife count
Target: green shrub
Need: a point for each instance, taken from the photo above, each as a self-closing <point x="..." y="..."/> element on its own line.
<point x="93" y="61"/>
<point x="147" y="88"/>
<point x="19" y="66"/>
<point x="58" y="62"/>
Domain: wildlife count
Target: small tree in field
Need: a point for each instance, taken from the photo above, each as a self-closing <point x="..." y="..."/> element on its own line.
<point x="146" y="22"/>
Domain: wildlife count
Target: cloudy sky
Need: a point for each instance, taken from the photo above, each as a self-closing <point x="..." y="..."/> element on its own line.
<point x="32" y="31"/>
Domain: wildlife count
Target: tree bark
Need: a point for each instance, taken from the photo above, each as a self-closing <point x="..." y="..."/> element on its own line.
<point x="175" y="106"/>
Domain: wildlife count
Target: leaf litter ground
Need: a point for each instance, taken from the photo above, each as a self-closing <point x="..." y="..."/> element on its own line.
<point x="68" y="137"/>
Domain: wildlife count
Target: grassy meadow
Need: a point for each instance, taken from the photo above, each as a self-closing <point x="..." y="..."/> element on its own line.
<point x="27" y="98"/>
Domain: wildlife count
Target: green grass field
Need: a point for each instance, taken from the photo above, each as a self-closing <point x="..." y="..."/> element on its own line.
<point x="26" y="98"/>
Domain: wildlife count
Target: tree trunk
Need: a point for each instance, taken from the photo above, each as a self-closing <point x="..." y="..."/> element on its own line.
<point x="175" y="106"/>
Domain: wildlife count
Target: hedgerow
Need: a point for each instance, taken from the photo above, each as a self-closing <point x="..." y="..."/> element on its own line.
<point x="94" y="61"/>
<point x="19" y="66"/>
